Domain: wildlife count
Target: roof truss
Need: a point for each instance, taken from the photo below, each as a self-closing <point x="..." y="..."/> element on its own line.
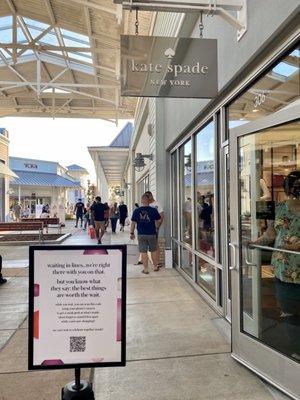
<point x="58" y="52"/>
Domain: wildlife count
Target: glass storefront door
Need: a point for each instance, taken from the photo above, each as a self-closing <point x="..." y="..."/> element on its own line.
<point x="265" y="247"/>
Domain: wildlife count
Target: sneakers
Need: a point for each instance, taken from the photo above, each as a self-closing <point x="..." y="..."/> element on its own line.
<point x="99" y="241"/>
<point x="2" y="280"/>
<point x="138" y="263"/>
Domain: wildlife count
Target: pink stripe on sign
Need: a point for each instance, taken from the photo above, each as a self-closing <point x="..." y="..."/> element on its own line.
<point x="36" y="290"/>
<point x="52" y="362"/>
<point x="95" y="251"/>
<point x="119" y="320"/>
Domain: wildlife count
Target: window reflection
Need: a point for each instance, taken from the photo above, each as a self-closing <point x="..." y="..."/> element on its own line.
<point x="186" y="200"/>
<point x="206" y="277"/>
<point x="205" y="157"/>
<point x="143" y="186"/>
<point x="174" y="196"/>
<point x="187" y="263"/>
<point x="278" y="88"/>
<point x="175" y="254"/>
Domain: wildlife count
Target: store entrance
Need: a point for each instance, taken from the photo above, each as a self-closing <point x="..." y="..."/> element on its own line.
<point x="265" y="244"/>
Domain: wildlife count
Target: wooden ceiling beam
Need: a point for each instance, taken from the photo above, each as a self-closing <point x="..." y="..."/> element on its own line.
<point x="11" y="6"/>
<point x="95" y="6"/>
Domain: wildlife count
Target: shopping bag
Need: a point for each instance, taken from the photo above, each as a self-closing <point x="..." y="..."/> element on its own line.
<point x="127" y="221"/>
<point x="92" y="232"/>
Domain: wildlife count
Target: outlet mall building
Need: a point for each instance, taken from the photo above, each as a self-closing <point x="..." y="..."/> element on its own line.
<point x="226" y="168"/>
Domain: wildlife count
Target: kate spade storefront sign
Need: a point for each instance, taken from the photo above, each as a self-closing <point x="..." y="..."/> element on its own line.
<point x="168" y="67"/>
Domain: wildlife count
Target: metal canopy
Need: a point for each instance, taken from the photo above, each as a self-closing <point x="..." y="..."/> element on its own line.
<point x="113" y="162"/>
<point x="29" y="178"/>
<point x="232" y="11"/>
<point x="60" y="58"/>
<point x="6" y="172"/>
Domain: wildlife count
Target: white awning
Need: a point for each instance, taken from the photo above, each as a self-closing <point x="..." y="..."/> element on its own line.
<point x="6" y="172"/>
<point x="113" y="161"/>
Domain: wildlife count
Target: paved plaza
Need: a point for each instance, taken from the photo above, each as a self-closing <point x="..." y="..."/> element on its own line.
<point x="177" y="347"/>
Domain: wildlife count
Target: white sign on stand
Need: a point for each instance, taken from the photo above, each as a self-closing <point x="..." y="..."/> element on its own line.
<point x="77" y="306"/>
<point x="38" y="210"/>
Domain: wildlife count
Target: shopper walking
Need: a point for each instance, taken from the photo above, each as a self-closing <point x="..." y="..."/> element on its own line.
<point x="2" y="280"/>
<point x="17" y="212"/>
<point x="146" y="219"/>
<point x="114" y="216"/>
<point x="123" y="211"/>
<point x="156" y="204"/>
<point x="86" y="216"/>
<point x="98" y="210"/>
<point x="78" y="211"/>
<point x="106" y="215"/>
<point x="91" y="216"/>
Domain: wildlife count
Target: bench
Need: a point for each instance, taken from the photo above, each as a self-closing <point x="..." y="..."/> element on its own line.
<point x="24" y="226"/>
<point x="48" y="222"/>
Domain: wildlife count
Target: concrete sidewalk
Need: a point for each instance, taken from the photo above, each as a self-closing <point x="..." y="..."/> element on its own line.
<point x="177" y="347"/>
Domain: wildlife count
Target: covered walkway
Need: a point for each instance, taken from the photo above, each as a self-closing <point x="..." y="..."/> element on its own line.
<point x="177" y="347"/>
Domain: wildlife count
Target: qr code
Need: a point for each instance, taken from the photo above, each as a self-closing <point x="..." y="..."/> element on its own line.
<point x="77" y="343"/>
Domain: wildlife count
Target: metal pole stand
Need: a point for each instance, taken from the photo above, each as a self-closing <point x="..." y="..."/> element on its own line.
<point x="77" y="390"/>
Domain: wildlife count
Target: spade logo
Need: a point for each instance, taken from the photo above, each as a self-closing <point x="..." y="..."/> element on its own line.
<point x="169" y="53"/>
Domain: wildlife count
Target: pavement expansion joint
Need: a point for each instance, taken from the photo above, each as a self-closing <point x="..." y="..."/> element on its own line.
<point x="153" y="277"/>
<point x="159" y="302"/>
<point x="179" y="356"/>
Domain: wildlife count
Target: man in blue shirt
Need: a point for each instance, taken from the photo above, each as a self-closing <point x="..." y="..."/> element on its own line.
<point x="146" y="219"/>
<point x="78" y="211"/>
<point x="98" y="211"/>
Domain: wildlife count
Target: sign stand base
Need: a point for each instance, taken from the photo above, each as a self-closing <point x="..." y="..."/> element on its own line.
<point x="78" y="390"/>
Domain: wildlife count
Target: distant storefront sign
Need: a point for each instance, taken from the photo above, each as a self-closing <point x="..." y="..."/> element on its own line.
<point x="77" y="306"/>
<point x="168" y="67"/>
<point x="30" y="166"/>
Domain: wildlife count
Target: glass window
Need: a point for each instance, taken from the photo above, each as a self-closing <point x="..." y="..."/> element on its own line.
<point x="75" y="35"/>
<point x="70" y="42"/>
<point x="175" y="254"/>
<point x="206" y="277"/>
<point x="6" y="22"/>
<point x="205" y="194"/>
<point x="187" y="261"/>
<point x="277" y="88"/>
<point x="49" y="38"/>
<point x="185" y="188"/>
<point x="174" y="171"/>
<point x="143" y="186"/>
<point x="20" y="35"/>
<point x="34" y="32"/>
<point x="6" y="35"/>
<point x="37" y="24"/>
<point x="269" y="197"/>
<point x="85" y="57"/>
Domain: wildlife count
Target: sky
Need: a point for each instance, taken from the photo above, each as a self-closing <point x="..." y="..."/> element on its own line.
<point x="62" y="140"/>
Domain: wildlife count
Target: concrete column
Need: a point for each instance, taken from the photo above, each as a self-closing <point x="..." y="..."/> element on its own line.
<point x="133" y="183"/>
<point x="162" y="183"/>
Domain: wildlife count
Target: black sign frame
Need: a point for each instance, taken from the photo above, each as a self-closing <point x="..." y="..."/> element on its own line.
<point x="122" y="363"/>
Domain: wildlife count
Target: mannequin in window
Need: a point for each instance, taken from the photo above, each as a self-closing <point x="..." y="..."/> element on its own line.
<point x="265" y="192"/>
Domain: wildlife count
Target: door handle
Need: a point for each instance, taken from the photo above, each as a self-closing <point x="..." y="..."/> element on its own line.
<point x="247" y="262"/>
<point x="234" y="259"/>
